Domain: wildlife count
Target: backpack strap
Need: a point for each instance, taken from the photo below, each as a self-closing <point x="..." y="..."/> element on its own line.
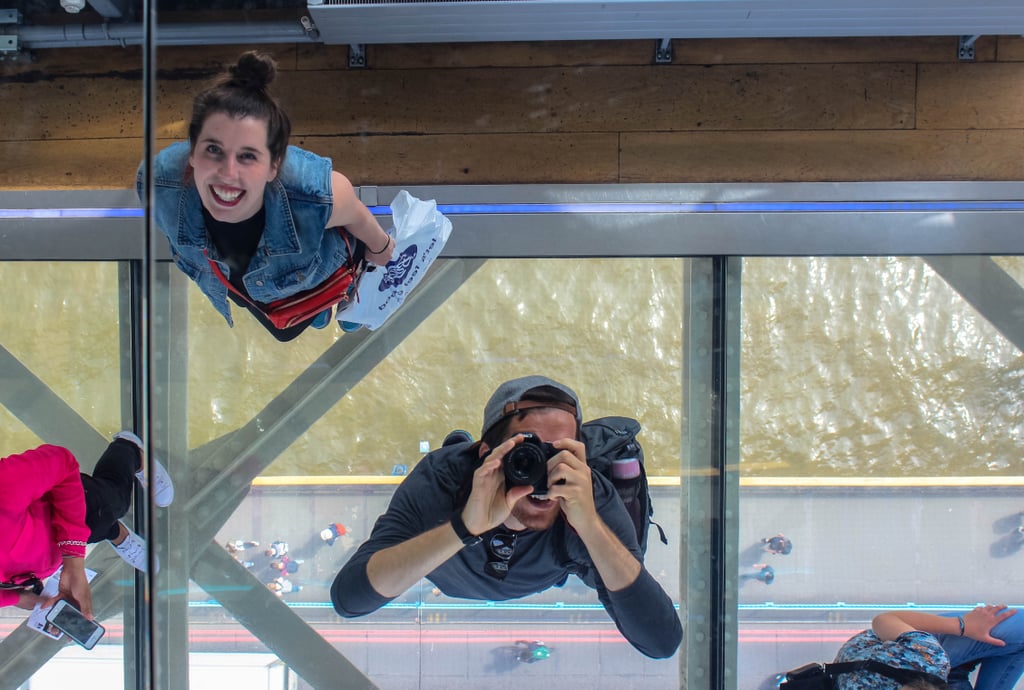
<point x="900" y="675"/>
<point x="661" y="532"/>
<point x="845" y="667"/>
<point x="558" y="537"/>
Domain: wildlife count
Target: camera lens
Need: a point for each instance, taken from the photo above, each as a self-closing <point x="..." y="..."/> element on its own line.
<point x="523" y="463"/>
<point x="527" y="464"/>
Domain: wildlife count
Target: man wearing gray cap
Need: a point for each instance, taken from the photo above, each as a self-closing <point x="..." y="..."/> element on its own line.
<point x="455" y="521"/>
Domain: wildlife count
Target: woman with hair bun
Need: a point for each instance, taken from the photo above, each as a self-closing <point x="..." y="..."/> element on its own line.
<point x="250" y="217"/>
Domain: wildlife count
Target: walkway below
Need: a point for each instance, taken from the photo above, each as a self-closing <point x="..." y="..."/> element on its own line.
<point x="856" y="550"/>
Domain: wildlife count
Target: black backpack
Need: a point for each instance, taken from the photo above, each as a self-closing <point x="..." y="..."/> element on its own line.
<point x="817" y="676"/>
<point x="614" y="438"/>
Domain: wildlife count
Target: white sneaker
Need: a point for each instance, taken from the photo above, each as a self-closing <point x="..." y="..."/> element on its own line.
<point x="133" y="550"/>
<point x="163" y="487"/>
<point x="129" y="436"/>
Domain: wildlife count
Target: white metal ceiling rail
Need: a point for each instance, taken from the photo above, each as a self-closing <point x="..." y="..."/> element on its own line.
<point x="362" y="22"/>
<point x="443" y="21"/>
<point x="92" y="35"/>
<point x="520" y="221"/>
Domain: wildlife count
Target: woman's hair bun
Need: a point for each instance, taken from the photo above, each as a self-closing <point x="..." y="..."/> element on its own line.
<point x="253" y="71"/>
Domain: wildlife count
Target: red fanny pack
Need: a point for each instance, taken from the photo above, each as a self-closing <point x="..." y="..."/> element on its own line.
<point x="302" y="306"/>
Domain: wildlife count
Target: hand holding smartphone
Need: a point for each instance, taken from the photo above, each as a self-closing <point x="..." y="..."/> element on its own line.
<point x="65" y="617"/>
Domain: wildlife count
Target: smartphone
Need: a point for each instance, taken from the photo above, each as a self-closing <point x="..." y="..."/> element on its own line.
<point x="67" y="618"/>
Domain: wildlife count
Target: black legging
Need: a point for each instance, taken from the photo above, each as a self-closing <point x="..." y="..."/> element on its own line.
<point x="108" y="492"/>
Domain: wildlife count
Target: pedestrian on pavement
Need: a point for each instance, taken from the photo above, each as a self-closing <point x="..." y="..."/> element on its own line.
<point x="49" y="511"/>
<point x="779" y="544"/>
<point x="277" y="549"/>
<point x="929" y="644"/>
<point x="765" y="573"/>
<point x="286" y="565"/>
<point x="531" y="652"/>
<point x="333" y="532"/>
<point x="239" y="545"/>
<point x="282" y="585"/>
<point x="454" y="521"/>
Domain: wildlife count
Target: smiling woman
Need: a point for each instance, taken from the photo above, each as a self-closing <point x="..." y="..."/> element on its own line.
<point x="252" y="219"/>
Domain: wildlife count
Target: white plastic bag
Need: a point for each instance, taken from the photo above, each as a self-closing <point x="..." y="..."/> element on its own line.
<point x="420" y="234"/>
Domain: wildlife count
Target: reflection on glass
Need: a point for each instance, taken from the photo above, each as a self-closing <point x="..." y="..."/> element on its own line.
<point x="319" y="433"/>
<point x="873" y="367"/>
<point x="526" y="517"/>
<point x="60" y="408"/>
<point x="880" y="431"/>
<point x="50" y="343"/>
<point x="257" y="223"/>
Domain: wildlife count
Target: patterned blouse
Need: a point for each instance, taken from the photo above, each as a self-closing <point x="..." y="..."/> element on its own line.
<point x="915" y="650"/>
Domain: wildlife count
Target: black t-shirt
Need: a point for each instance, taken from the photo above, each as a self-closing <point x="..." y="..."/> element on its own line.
<point x="236" y="243"/>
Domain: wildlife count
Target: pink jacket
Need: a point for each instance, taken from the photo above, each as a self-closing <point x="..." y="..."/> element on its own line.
<point x="42" y="514"/>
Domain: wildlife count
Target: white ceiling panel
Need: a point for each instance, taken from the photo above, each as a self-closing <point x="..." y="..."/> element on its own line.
<point x="442" y="21"/>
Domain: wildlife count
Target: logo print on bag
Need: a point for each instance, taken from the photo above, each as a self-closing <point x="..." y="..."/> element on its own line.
<point x="398" y="269"/>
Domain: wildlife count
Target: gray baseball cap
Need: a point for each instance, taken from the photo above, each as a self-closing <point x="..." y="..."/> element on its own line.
<point x="514" y="396"/>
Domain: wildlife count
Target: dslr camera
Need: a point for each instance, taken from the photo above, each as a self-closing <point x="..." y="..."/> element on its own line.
<point x="527" y="464"/>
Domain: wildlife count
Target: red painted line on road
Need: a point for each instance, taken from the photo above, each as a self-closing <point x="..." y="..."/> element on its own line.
<point x="376" y="635"/>
<point x="777" y="639"/>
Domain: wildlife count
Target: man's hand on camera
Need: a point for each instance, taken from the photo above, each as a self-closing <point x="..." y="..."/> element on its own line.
<point x="570" y="481"/>
<point x="489" y="504"/>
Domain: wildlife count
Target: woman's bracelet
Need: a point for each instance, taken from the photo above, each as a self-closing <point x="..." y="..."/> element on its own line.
<point x="960" y="620"/>
<point x="384" y="249"/>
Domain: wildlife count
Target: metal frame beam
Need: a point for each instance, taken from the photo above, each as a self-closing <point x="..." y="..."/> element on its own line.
<point x="520" y="221"/>
<point x="983" y="284"/>
<point x="661" y="220"/>
<point x="219" y="476"/>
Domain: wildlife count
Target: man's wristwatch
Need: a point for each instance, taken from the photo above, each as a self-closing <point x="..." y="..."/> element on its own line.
<point x="463" y="532"/>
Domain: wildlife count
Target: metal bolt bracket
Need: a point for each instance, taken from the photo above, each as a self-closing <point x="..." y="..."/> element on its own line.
<point x="663" y="54"/>
<point x="965" y="48"/>
<point x="312" y="33"/>
<point x="357" y="56"/>
<point x="9" y="41"/>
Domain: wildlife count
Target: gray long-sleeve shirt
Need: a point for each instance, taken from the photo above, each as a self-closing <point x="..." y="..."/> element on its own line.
<point x="438" y="485"/>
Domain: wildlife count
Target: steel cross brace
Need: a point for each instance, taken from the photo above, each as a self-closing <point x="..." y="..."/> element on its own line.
<point x="220" y="476"/>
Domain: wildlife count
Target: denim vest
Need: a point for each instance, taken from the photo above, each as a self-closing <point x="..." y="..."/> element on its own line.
<point x="294" y="253"/>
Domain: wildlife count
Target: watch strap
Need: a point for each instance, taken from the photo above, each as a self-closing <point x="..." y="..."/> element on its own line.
<point x="462" y="531"/>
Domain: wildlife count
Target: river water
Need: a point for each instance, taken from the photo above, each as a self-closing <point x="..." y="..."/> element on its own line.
<point x="849" y="366"/>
